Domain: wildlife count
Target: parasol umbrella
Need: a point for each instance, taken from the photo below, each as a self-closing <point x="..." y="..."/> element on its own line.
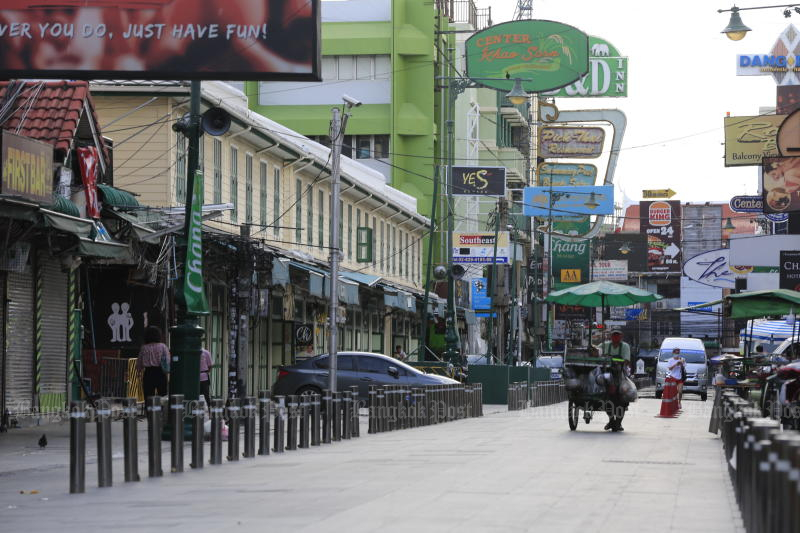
<point x="602" y="294"/>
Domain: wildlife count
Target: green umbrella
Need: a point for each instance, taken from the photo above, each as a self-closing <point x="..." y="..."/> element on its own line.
<point x="602" y="294"/>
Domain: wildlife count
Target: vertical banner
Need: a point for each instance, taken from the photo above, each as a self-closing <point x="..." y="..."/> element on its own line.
<point x="661" y="222"/>
<point x="570" y="262"/>
<point x="87" y="159"/>
<point x="193" y="289"/>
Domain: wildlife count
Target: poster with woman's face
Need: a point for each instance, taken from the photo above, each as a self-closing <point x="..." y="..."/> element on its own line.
<point x="781" y="184"/>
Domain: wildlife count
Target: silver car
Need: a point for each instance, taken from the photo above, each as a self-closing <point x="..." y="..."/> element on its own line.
<point x="353" y="368"/>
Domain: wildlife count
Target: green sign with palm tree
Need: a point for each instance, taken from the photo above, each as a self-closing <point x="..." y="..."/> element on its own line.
<point x="544" y="55"/>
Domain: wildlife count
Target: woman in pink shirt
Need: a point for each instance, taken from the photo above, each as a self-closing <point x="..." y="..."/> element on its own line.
<point x="154" y="360"/>
<point x="205" y="382"/>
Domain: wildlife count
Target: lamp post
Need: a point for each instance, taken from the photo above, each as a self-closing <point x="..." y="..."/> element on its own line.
<point x="736" y="30"/>
<point x="456" y="86"/>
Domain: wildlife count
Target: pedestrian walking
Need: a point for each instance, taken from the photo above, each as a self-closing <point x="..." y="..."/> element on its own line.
<point x="679" y="364"/>
<point x="669" y="397"/>
<point x="205" y="379"/>
<point x="153" y="359"/>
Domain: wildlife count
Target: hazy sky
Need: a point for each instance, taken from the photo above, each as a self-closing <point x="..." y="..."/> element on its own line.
<point x="682" y="81"/>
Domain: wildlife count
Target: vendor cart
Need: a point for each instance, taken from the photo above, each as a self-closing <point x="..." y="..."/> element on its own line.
<point x="583" y="391"/>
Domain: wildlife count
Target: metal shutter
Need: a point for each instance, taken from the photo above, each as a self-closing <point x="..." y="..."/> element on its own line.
<point x="19" y="355"/>
<point x="2" y="334"/>
<point x="53" y="391"/>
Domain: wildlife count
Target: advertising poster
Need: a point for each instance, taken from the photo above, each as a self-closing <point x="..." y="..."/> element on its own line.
<point x="479" y="181"/>
<point x="570" y="262"/>
<point x="749" y="139"/>
<point x="630" y="247"/>
<point x="161" y="39"/>
<point x="571" y="141"/>
<point x="661" y="223"/>
<point x="790" y="270"/>
<point x="478" y="247"/>
<point x="610" y="270"/>
<point x="566" y="174"/>
<point x="27" y="168"/>
<point x="781" y="184"/>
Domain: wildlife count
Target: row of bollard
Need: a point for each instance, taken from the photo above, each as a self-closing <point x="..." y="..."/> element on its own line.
<point x="517" y="396"/>
<point x="548" y="393"/>
<point x="299" y="422"/>
<point x="394" y="407"/>
<point x="764" y="464"/>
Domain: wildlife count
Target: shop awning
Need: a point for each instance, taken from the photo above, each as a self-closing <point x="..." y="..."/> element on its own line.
<point x="360" y="277"/>
<point x="18" y="210"/>
<point x="64" y="205"/>
<point x="104" y="249"/>
<point x="118" y="198"/>
<point x="81" y="227"/>
<point x="348" y="292"/>
<point x="316" y="277"/>
<point x="280" y="272"/>
<point x="140" y="230"/>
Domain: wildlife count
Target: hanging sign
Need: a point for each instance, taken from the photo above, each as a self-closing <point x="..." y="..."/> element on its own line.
<point x="790" y="270"/>
<point x="567" y="201"/>
<point x="748" y="139"/>
<point x="479" y="181"/>
<point x="571" y="142"/>
<point x="607" y="76"/>
<point x="781" y="184"/>
<point x="478" y="247"/>
<point x="566" y="174"/>
<point x="193" y="288"/>
<point x="27" y="168"/>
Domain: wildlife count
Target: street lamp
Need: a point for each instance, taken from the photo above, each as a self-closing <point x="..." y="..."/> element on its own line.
<point x="736" y="30"/>
<point x="456" y="86"/>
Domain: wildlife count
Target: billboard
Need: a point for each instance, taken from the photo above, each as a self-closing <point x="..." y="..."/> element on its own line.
<point x="780" y="185"/>
<point x="711" y="268"/>
<point x="610" y="270"/>
<point x="790" y="270"/>
<point x="543" y="54"/>
<point x="749" y="139"/>
<point x="570" y="261"/>
<point x="561" y="174"/>
<point x="607" y="76"/>
<point x="661" y="223"/>
<point x="478" y="247"/>
<point x="479" y="181"/>
<point x="630" y="247"/>
<point x="571" y="141"/>
<point x="567" y="201"/>
<point x="780" y="62"/>
<point x="27" y="168"/>
<point x="161" y="39"/>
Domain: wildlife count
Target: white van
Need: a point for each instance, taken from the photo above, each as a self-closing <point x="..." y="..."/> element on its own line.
<point x="694" y="352"/>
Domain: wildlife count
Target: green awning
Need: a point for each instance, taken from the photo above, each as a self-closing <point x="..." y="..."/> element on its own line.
<point x="103" y="249"/>
<point x="756" y="304"/>
<point x="64" y="205"/>
<point x="118" y="198"/>
<point x="18" y="210"/>
<point x="140" y="230"/>
<point x="81" y="227"/>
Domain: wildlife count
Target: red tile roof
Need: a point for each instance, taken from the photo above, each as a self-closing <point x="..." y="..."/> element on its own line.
<point x="49" y="111"/>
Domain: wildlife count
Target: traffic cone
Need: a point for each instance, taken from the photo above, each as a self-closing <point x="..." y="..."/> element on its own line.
<point x="669" y="399"/>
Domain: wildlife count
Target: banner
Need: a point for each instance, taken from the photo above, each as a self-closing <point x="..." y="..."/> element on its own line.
<point x="781" y="184"/>
<point x="479" y="181"/>
<point x="161" y="39"/>
<point x="661" y="222"/>
<point x="88" y="161"/>
<point x="630" y="247"/>
<point x="543" y="54"/>
<point x="193" y="288"/>
<point x="561" y="174"/>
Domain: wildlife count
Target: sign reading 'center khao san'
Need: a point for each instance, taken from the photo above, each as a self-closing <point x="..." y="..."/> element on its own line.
<point x="542" y="54"/>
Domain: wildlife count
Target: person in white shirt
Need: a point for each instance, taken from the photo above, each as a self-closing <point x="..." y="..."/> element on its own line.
<point x="676" y="364"/>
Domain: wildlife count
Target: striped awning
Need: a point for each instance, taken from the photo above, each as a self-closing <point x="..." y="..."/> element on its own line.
<point x="770" y="330"/>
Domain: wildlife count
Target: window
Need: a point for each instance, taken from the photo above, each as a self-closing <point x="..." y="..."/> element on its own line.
<point x="276" y="201"/>
<point x="364" y="67"/>
<point x="383" y="265"/>
<point x="358" y="217"/>
<point x="248" y="188"/>
<point x="374" y="239"/>
<point x="262" y="194"/>
<point x="343" y="362"/>
<point x="363" y="146"/>
<point x="217" y="171"/>
<point x="372" y="365"/>
<point x="298" y="212"/>
<point x="394" y="250"/>
<point x="180" y="168"/>
<point x="201" y="154"/>
<point x="347" y="146"/>
<point x="321" y="218"/>
<point x="234" y="183"/>
<point x="402" y="253"/>
<point x="341" y="225"/>
<point x="345" y="67"/>
<point x="360" y="67"/>
<point x="349" y="231"/>
<point x="310" y="216"/>
<point x="381" y="147"/>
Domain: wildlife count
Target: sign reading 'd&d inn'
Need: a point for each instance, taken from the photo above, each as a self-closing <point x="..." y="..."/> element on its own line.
<point x="607" y="76"/>
<point x="27" y="168"/>
<point x="479" y="181"/>
<point x="571" y="142"/>
<point x="544" y="55"/>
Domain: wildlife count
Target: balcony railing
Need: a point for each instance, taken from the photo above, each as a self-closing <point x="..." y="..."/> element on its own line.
<point x="466" y="11"/>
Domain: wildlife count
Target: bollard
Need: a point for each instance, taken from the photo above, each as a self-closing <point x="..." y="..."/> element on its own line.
<point x="327" y="415"/>
<point x="315" y="419"/>
<point x="291" y="423"/>
<point x="154" y="411"/>
<point x="305" y="412"/>
<point x="215" y="413"/>
<point x="130" y="440"/>
<point x="347" y="415"/>
<point x="372" y="409"/>
<point x="234" y="418"/>
<point x="280" y="424"/>
<point x="198" y="426"/>
<point x="77" y="447"/>
<point x="355" y="426"/>
<point x="176" y="411"/>
<point x="249" y="414"/>
<point x="380" y="409"/>
<point x="264" y="422"/>
<point x="336" y="415"/>
<point x="103" y="418"/>
<point x="416" y="403"/>
<point x="480" y="399"/>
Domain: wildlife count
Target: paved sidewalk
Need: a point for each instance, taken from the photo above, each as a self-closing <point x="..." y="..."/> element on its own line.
<point x="507" y="471"/>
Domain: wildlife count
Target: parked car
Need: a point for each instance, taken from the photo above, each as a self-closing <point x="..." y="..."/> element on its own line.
<point x="353" y="368"/>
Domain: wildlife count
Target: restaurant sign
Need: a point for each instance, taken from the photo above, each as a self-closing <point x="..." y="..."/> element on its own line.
<point x="749" y="139"/>
<point x="571" y="142"/>
<point x="27" y="168"/>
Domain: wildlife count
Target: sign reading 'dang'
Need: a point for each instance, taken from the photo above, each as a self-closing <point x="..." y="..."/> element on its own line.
<point x="607" y="76"/>
<point x="782" y="63"/>
<point x="161" y="39"/>
<point x="479" y="181"/>
<point x="568" y="141"/>
<point x="749" y="139"/>
<point x="542" y="54"/>
<point x="27" y="168"/>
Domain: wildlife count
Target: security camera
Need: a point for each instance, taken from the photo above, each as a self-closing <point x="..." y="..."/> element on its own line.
<point x="350" y="101"/>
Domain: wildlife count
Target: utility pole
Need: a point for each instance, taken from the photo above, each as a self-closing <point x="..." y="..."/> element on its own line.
<point x="496" y="341"/>
<point x="338" y="125"/>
